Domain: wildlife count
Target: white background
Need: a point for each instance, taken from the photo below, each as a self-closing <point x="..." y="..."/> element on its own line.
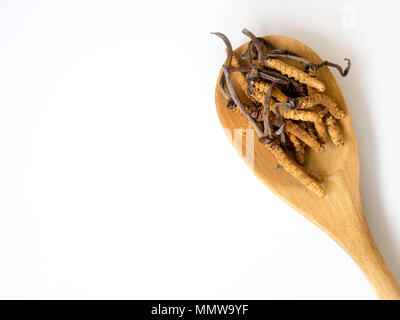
<point x="117" y="181"/>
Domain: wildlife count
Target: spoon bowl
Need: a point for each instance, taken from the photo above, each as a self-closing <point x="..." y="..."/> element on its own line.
<point x="339" y="213"/>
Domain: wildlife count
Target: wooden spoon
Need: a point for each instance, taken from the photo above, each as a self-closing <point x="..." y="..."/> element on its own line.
<point x="340" y="212"/>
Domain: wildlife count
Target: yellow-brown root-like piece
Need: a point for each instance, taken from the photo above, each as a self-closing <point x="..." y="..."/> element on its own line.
<point x="303" y="135"/>
<point x="260" y="89"/>
<point x="312" y="72"/>
<point x="294" y="73"/>
<point x="334" y="131"/>
<point x="302" y="125"/>
<point x="320" y="110"/>
<point x="314" y="175"/>
<point x="298" y="148"/>
<point x="311" y="129"/>
<point x="239" y="76"/>
<point x="302" y="115"/>
<point x="321" y="130"/>
<point x="320" y="98"/>
<point x="296" y="170"/>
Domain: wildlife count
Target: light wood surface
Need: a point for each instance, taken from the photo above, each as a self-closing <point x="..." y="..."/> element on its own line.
<point x="340" y="212"/>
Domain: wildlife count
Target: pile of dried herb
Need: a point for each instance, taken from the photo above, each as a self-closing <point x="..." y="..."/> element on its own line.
<point x="289" y="110"/>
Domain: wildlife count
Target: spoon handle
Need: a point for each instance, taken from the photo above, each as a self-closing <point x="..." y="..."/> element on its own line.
<point x="368" y="257"/>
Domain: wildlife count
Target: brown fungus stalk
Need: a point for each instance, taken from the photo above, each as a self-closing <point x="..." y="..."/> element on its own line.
<point x="342" y="72"/>
<point x="229" y="50"/>
<point x="257" y="44"/>
<point x="239" y="104"/>
<point x="287" y="55"/>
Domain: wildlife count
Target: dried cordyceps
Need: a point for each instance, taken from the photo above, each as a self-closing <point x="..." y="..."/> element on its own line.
<point x="334" y="131"/>
<point x="259" y="88"/>
<point x="298" y="148"/>
<point x="304" y="136"/>
<point x="311" y="129"/>
<point x="295" y="129"/>
<point x="239" y="76"/>
<point x="295" y="169"/>
<point x="290" y="112"/>
<point x="320" y="98"/>
<point x="294" y="73"/>
<point x="321" y="130"/>
<point x="314" y="175"/>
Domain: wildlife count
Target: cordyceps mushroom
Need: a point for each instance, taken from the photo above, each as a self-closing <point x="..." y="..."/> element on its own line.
<point x="295" y="110"/>
<point x="266" y="135"/>
<point x="290" y="99"/>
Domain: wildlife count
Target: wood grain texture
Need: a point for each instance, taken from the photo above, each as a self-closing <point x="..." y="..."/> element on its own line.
<point x="340" y="212"/>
